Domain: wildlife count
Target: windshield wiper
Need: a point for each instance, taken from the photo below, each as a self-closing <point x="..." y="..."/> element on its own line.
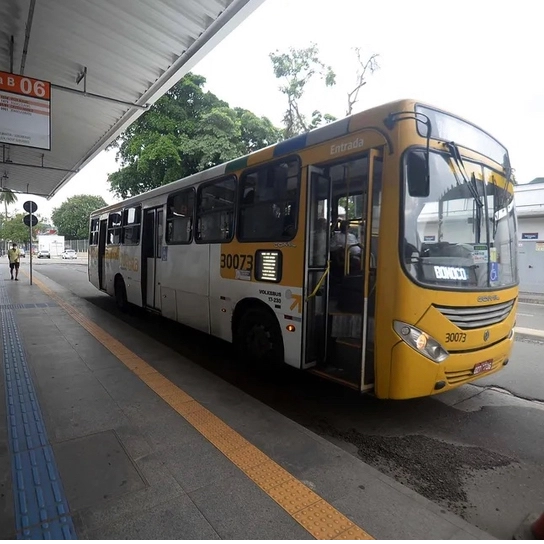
<point x="473" y="188"/>
<point x="472" y="185"/>
<point x="470" y="182"/>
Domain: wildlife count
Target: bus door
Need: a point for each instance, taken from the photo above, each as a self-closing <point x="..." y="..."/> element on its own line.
<point x="368" y="362"/>
<point x="151" y="257"/>
<point x="341" y="271"/>
<point x="316" y="269"/>
<point x="103" y="230"/>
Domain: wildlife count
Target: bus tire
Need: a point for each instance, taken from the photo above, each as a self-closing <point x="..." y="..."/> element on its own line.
<point x="121" y="294"/>
<point x="258" y="338"/>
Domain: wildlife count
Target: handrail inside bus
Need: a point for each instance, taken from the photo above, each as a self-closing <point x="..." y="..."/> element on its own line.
<point x="320" y="282"/>
<point x="347" y="260"/>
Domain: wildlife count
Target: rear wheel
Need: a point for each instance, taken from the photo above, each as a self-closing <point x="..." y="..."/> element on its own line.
<point x="121" y="294"/>
<point x="258" y="338"/>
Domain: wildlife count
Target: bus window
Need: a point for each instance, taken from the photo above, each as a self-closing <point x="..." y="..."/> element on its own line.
<point x="114" y="228"/>
<point x="93" y="236"/>
<point x="131" y="225"/>
<point x="215" y="211"/>
<point x="179" y="217"/>
<point x="269" y="203"/>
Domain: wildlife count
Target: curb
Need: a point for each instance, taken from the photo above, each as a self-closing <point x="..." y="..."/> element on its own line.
<point x="534" y="333"/>
<point x="530" y="300"/>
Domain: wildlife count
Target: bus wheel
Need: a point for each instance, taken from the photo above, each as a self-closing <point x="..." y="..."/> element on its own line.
<point x="121" y="294"/>
<point x="258" y="338"/>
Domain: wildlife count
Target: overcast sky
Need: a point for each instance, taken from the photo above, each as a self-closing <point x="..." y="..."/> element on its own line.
<point x="481" y="60"/>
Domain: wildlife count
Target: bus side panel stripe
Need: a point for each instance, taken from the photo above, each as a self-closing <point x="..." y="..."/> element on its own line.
<point x="237" y="164"/>
<point x="290" y="146"/>
<point x="263" y="155"/>
<point x="334" y="130"/>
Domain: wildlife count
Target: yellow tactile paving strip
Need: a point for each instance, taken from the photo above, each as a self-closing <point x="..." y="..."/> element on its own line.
<point x="317" y="516"/>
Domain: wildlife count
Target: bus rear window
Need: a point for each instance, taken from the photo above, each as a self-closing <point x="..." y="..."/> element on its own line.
<point x="269" y="203"/>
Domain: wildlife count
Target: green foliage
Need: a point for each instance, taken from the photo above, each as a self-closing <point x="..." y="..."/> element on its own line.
<point x="8" y="197"/>
<point x="296" y="69"/>
<point x="14" y="230"/>
<point x="72" y="217"/>
<point x="186" y="131"/>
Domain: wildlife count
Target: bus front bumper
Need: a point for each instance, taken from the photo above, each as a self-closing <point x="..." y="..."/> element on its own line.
<point x="413" y="375"/>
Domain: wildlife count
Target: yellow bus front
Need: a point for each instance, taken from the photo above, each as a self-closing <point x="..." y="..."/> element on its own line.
<point x="447" y="279"/>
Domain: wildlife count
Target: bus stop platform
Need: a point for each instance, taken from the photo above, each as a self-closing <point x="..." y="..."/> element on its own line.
<point x="108" y="434"/>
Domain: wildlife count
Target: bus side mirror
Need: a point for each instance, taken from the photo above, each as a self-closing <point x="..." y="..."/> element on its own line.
<point x="418" y="174"/>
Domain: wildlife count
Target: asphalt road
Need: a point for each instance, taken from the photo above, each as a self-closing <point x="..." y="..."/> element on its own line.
<point x="477" y="451"/>
<point x="531" y="316"/>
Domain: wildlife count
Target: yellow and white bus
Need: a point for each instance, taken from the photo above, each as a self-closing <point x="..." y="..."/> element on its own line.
<point x="378" y="251"/>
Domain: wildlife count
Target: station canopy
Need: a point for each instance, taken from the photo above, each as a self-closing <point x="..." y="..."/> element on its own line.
<point x="107" y="62"/>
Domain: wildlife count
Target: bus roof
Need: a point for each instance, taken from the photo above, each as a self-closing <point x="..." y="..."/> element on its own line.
<point x="341" y="127"/>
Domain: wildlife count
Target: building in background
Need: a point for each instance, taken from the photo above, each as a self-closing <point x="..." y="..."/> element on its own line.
<point x="530" y="212"/>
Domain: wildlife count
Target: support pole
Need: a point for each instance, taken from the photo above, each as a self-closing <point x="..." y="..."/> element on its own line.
<point x="30" y="231"/>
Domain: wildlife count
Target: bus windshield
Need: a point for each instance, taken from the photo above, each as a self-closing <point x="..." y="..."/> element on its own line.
<point x="462" y="235"/>
<point x="447" y="128"/>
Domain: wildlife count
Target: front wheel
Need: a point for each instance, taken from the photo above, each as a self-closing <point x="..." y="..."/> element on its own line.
<point x="258" y="338"/>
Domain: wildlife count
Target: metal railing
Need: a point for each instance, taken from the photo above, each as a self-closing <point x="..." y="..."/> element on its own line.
<point x="81" y="246"/>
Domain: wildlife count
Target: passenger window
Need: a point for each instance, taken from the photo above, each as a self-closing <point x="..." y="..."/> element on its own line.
<point x="215" y="211"/>
<point x="93" y="236"/>
<point x="114" y="228"/>
<point x="269" y="203"/>
<point x="132" y="219"/>
<point x="179" y="217"/>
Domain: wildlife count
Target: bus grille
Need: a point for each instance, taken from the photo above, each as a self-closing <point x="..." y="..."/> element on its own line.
<point x="476" y="317"/>
<point x="462" y="376"/>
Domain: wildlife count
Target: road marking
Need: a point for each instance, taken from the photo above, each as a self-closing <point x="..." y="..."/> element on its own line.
<point x="529" y="332"/>
<point x="315" y="514"/>
<point x="525" y="315"/>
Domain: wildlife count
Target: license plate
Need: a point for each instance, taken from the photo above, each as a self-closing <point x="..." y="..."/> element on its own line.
<point x="483" y="367"/>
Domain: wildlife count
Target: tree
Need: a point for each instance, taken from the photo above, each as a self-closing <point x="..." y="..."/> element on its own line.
<point x="297" y="68"/>
<point x="8" y="197"/>
<point x="184" y="132"/>
<point x="14" y="229"/>
<point x="256" y="132"/>
<point x="363" y="68"/>
<point x="72" y="217"/>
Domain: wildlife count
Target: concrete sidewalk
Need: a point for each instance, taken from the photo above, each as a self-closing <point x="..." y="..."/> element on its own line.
<point x="132" y="467"/>
<point x="532" y="298"/>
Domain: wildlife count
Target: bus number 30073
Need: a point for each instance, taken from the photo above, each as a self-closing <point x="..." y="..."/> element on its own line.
<point x="456" y="337"/>
<point x="238" y="262"/>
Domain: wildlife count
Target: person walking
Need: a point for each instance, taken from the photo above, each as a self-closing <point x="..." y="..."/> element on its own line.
<point x="14" y="256"/>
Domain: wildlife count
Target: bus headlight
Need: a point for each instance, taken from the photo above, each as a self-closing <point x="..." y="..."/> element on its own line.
<point x="420" y="341"/>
